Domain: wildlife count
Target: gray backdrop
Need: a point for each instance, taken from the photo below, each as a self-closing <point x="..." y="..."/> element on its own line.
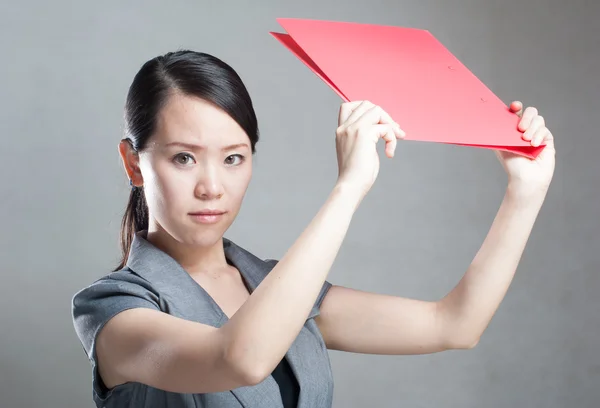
<point x="65" y="69"/>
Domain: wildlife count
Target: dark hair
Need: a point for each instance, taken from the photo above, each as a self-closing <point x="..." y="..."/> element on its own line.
<point x="190" y="73"/>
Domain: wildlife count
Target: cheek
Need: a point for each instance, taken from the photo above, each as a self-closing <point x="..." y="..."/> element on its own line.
<point x="239" y="184"/>
<point x="164" y="188"/>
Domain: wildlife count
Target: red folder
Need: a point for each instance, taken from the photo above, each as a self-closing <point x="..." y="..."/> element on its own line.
<point x="412" y="76"/>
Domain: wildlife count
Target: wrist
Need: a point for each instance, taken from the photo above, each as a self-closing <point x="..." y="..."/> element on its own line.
<point x="347" y="193"/>
<point x="526" y="191"/>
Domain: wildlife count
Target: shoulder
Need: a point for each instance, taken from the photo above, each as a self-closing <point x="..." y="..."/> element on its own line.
<point x="271" y="262"/>
<point x="120" y="283"/>
<point x="94" y="305"/>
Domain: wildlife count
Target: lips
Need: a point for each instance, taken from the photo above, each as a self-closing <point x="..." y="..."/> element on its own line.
<point x="208" y="212"/>
<point x="209" y="216"/>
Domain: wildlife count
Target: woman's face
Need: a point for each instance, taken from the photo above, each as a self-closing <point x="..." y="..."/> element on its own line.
<point x="198" y="162"/>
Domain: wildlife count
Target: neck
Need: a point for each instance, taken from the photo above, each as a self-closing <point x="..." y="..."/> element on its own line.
<point x="195" y="259"/>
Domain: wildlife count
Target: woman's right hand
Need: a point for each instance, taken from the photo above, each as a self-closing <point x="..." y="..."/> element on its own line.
<point x="360" y="126"/>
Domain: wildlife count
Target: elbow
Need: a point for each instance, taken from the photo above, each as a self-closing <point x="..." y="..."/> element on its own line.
<point x="471" y="344"/>
<point x="464" y="344"/>
<point x="251" y="374"/>
<point x="459" y="340"/>
<point x="254" y="377"/>
<point x="247" y="371"/>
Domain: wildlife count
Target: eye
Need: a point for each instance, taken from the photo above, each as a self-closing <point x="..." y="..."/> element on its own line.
<point x="184" y="159"/>
<point x="231" y="160"/>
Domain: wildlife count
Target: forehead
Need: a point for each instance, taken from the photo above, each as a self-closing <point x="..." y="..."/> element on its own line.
<point x="190" y="119"/>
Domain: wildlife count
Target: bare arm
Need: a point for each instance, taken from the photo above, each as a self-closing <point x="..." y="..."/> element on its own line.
<point x="173" y="354"/>
<point x="179" y="356"/>
<point x="263" y="329"/>
<point x="165" y="352"/>
<point x="369" y="323"/>
<point x="467" y="310"/>
<point x="362" y="322"/>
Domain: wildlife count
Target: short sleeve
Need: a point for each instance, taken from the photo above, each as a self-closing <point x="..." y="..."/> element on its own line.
<point x="316" y="310"/>
<point x="95" y="305"/>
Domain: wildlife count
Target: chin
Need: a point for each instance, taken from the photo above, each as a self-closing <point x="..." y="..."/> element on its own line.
<point x="194" y="234"/>
<point x="204" y="239"/>
<point x="204" y="236"/>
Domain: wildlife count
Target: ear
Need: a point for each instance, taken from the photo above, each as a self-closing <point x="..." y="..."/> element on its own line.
<point x="131" y="162"/>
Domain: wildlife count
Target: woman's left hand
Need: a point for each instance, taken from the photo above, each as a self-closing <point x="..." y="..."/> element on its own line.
<point x="530" y="174"/>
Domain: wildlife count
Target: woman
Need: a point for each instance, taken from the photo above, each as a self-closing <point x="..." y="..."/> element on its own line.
<point x="190" y="319"/>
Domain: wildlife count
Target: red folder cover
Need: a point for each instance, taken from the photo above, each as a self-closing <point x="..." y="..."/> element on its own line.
<point x="412" y="76"/>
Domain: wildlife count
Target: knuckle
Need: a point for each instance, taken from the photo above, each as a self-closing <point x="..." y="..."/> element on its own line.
<point x="376" y="112"/>
<point x="363" y="131"/>
<point x="382" y="113"/>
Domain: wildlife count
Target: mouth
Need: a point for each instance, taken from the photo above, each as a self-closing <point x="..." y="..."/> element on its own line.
<point x="208" y="216"/>
<point x="209" y="212"/>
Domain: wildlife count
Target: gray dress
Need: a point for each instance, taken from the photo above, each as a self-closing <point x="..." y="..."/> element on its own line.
<point x="152" y="279"/>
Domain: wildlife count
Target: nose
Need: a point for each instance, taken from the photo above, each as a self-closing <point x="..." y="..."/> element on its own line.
<point x="209" y="185"/>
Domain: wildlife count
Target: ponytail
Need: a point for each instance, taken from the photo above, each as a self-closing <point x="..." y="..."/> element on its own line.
<point x="135" y="219"/>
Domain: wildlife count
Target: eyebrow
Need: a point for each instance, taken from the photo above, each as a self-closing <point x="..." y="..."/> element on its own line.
<point x="191" y="146"/>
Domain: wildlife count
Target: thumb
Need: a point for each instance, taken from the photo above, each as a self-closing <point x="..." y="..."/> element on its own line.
<point x="516" y="107"/>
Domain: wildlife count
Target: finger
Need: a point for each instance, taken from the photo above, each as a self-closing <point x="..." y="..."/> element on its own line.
<point x="346" y="109"/>
<point x="548" y="139"/>
<point x="385" y="132"/>
<point x="359" y="111"/>
<point x="516" y="107"/>
<point x="541" y="136"/>
<point x="527" y="117"/>
<point x="536" y="123"/>
<point x="376" y="115"/>
<point x="400" y="133"/>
